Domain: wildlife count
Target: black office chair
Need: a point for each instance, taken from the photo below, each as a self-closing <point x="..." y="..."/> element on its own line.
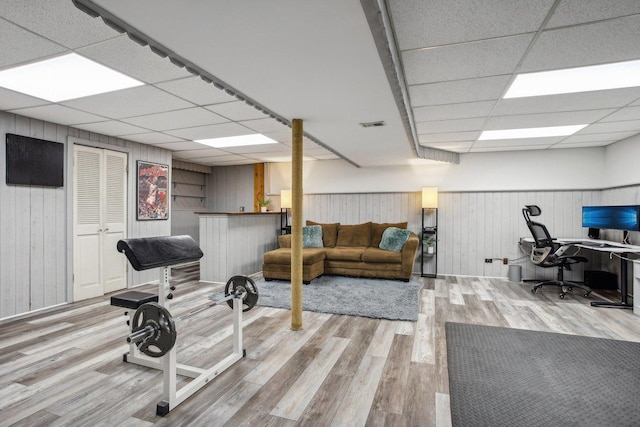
<point x="544" y="254"/>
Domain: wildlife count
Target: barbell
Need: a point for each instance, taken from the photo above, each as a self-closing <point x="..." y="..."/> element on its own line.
<point x="153" y="329"/>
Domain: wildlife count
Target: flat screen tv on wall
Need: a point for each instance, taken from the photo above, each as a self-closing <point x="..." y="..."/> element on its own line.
<point x="32" y="161"/>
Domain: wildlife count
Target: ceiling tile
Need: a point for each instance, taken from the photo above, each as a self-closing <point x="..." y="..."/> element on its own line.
<point x="448" y="137"/>
<point x="265" y="148"/>
<point x="10" y="100"/>
<point x="469" y="90"/>
<point x="266" y="125"/>
<point x="442" y="126"/>
<point x="572" y="12"/>
<point x="465" y="61"/>
<point x="53" y="19"/>
<point x="213" y="131"/>
<point x="282" y="156"/>
<point x="453" y="111"/>
<point x="329" y="156"/>
<point x="139" y="62"/>
<point x="567" y="102"/>
<point x="210" y="159"/>
<point x="631" y="125"/>
<point x="626" y="113"/>
<point x="598" y="137"/>
<point x="545" y="119"/>
<point x="22" y="46"/>
<point x="129" y="102"/>
<point x="456" y="146"/>
<point x="581" y="144"/>
<point x="282" y="136"/>
<point x="196" y="90"/>
<point x="507" y="148"/>
<point x="421" y="23"/>
<point x="58" y="114"/>
<point x="182" y="146"/>
<point x="177" y="119"/>
<point x="151" y="138"/>
<point x="598" y="43"/>
<point x="236" y="111"/>
<point x="197" y="154"/>
<point x="111" y="128"/>
<point x="520" y="142"/>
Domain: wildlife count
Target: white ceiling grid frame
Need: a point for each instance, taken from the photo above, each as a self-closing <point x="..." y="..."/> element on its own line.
<point x="423" y="27"/>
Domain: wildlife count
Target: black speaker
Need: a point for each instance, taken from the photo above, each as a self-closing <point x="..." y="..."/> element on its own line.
<point x="594" y="233"/>
<point x="600" y="279"/>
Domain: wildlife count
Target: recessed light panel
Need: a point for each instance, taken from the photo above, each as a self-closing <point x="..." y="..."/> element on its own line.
<point x="530" y="132"/>
<point x="65" y="77"/>
<point x="581" y="79"/>
<point x="237" y="141"/>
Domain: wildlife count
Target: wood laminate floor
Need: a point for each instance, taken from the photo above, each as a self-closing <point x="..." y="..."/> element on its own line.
<point x="64" y="367"/>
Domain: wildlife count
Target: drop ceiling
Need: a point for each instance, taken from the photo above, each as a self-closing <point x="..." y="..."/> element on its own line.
<point x="330" y="63"/>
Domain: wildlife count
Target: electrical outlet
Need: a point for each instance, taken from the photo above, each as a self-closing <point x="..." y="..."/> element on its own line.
<point x="505" y="261"/>
<point x="488" y="260"/>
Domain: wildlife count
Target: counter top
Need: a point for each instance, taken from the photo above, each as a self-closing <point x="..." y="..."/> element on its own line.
<point x="239" y="213"/>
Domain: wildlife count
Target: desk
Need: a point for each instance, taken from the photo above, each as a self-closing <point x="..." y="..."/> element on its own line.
<point x="605" y="246"/>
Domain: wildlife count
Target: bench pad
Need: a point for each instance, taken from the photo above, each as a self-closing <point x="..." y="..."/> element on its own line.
<point x="151" y="252"/>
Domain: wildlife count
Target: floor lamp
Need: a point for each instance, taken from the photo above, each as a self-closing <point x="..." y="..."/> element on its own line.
<point x="285" y="205"/>
<point x="429" y="232"/>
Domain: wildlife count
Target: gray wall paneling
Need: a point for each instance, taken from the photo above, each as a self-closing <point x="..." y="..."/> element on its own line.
<point x="189" y="196"/>
<point x="35" y="222"/>
<point x="229" y="187"/>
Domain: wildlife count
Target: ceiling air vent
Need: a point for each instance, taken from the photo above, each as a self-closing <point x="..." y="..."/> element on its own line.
<point x="372" y="124"/>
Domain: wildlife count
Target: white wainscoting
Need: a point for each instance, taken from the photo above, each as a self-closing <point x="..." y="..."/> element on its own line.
<point x="472" y="225"/>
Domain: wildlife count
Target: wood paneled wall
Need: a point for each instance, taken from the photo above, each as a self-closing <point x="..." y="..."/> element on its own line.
<point x="230" y="187"/>
<point x="36" y="222"/>
<point x="189" y="195"/>
<point x="472" y="225"/>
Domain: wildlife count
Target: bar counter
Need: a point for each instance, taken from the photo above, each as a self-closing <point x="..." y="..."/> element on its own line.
<point x="233" y="243"/>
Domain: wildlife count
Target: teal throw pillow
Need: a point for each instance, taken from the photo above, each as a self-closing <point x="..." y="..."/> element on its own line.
<point x="393" y="239"/>
<point x="312" y="236"/>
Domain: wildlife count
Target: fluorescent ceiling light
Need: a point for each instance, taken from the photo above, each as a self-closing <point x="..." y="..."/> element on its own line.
<point x="582" y="79"/>
<point x="237" y="141"/>
<point x="530" y="132"/>
<point x="64" y="77"/>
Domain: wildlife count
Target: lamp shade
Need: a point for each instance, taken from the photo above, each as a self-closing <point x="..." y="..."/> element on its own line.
<point x="285" y="199"/>
<point x="430" y="197"/>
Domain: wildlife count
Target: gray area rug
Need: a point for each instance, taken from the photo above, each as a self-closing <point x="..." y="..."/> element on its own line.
<point x="513" y="377"/>
<point x="377" y="298"/>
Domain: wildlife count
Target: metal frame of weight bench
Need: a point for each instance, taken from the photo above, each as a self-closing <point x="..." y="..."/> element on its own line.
<point x="163" y="252"/>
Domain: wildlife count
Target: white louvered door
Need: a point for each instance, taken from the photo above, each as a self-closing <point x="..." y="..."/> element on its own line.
<point x="99" y="208"/>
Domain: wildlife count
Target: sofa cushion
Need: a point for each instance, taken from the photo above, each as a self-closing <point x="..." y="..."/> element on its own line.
<point x="283" y="256"/>
<point x="377" y="255"/>
<point x="312" y="236"/>
<point x="377" y="230"/>
<point x="393" y="239"/>
<point x="345" y="253"/>
<point x="329" y="233"/>
<point x="354" y="235"/>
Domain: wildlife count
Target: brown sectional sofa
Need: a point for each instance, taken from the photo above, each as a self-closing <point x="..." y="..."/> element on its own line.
<point x="348" y="250"/>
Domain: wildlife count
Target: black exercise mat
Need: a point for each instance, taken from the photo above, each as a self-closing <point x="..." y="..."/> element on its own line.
<point x="513" y="377"/>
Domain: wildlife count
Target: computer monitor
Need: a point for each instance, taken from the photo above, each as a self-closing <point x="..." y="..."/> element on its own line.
<point x="612" y="217"/>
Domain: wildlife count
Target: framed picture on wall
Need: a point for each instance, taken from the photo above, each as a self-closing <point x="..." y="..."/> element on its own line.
<point x="152" y="185"/>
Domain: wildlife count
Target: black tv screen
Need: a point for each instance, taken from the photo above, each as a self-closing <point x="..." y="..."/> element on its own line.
<point x="32" y="161"/>
<point x="612" y="217"/>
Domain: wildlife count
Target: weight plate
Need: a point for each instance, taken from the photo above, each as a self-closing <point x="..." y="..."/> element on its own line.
<point x="242" y="284"/>
<point x="164" y="337"/>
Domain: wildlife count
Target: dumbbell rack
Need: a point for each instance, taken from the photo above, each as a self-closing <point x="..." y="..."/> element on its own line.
<point x="171" y="396"/>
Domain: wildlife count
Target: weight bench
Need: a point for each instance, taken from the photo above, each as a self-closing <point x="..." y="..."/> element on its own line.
<point x="163" y="252"/>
